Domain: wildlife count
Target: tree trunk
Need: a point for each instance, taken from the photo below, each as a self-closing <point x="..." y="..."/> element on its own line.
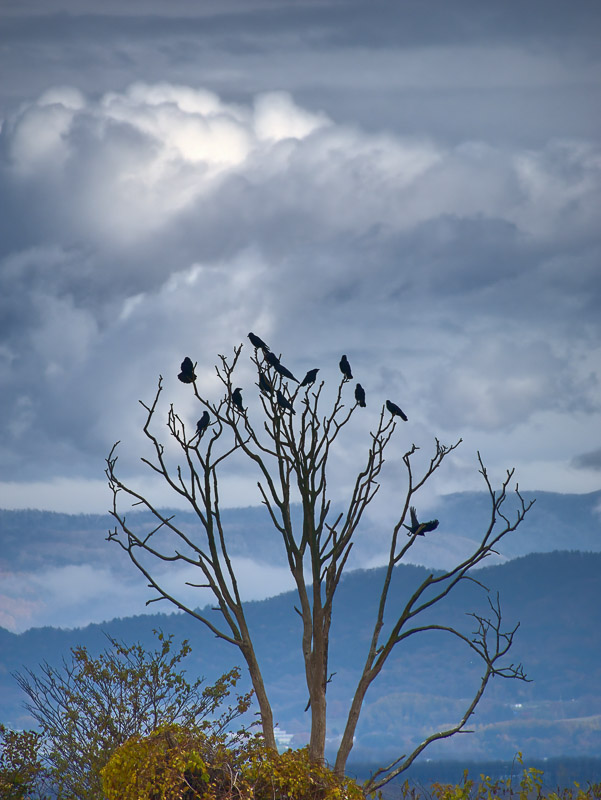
<point x="346" y="744"/>
<point x="317" y="681"/>
<point x="260" y="694"/>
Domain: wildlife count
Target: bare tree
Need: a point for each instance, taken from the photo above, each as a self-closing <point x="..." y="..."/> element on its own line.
<point x="290" y="453"/>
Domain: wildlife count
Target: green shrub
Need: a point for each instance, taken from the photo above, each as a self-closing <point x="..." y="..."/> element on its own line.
<point x="178" y="764"/>
<point x="20" y="767"/>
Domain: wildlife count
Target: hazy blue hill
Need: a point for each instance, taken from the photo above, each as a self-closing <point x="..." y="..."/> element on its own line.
<point x="556" y="596"/>
<point x="556" y="522"/>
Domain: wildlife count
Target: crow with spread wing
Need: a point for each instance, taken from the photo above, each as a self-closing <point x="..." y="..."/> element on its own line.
<point x="418" y="528"/>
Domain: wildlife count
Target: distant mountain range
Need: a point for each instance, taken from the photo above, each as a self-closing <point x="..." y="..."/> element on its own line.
<point x="39" y="539"/>
<point x="556" y="596"/>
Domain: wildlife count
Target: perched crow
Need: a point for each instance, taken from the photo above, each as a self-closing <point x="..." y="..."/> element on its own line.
<point x="257" y="342"/>
<point x="203" y="423"/>
<point x="360" y="395"/>
<point x="420" y="528"/>
<point x="187" y="374"/>
<point x="345" y="368"/>
<point x="271" y="358"/>
<point x="264" y="385"/>
<point x="237" y="399"/>
<point x="310" y="377"/>
<point x="281" y="369"/>
<point x="284" y="403"/>
<point x="396" y="411"/>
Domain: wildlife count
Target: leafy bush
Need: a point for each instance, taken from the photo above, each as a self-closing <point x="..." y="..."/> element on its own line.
<point x="91" y="706"/>
<point x="292" y="776"/>
<point x="20" y="767"/>
<point x="177" y="764"/>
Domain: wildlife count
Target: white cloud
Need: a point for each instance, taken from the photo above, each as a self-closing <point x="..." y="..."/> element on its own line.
<point x="75" y="595"/>
<point x="165" y="221"/>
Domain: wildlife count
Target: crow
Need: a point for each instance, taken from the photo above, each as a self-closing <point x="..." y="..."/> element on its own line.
<point x="396" y="411"/>
<point x="264" y="385"/>
<point x="281" y="370"/>
<point x="310" y="377"/>
<point x="345" y="368"/>
<point x="283" y="403"/>
<point x="187" y="374"/>
<point x="274" y="362"/>
<point x="360" y="395"/>
<point x="258" y="342"/>
<point x="203" y="423"/>
<point x="419" y="528"/>
<point x="237" y="399"/>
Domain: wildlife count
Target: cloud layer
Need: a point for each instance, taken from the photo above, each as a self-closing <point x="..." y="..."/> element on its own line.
<point x="161" y="221"/>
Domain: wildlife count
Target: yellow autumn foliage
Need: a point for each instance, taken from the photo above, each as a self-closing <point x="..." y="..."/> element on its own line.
<point x="173" y="763"/>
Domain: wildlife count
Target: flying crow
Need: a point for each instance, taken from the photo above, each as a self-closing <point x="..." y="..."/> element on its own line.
<point x="396" y="411"/>
<point x="264" y="385"/>
<point x="360" y="395"/>
<point x="310" y="377"/>
<point x="345" y="368"/>
<point x="258" y="342"/>
<point x="187" y="374"/>
<point x="284" y="403"/>
<point x="237" y="399"/>
<point x="420" y="528"/>
<point x="203" y="423"/>
<point x="281" y="369"/>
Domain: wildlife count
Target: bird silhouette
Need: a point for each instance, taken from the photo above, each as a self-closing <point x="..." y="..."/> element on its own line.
<point x="264" y="385"/>
<point x="418" y="528"/>
<point x="281" y="370"/>
<point x="396" y="411"/>
<point x="345" y="368"/>
<point x="237" y="399"/>
<point x="187" y="371"/>
<point x="257" y="342"/>
<point x="286" y="404"/>
<point x="310" y="377"/>
<point x="360" y="395"/>
<point x="203" y="423"/>
<point x="271" y="358"/>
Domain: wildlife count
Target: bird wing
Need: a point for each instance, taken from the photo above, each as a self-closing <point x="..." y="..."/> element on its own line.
<point x="414" y="520"/>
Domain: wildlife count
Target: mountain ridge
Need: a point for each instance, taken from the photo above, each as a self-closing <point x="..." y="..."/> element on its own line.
<point x="556" y="597"/>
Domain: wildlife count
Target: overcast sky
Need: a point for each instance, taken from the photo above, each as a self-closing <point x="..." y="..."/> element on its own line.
<point x="414" y="184"/>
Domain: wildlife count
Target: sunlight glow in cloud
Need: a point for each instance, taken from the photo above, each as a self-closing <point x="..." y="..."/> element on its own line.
<point x="163" y="221"/>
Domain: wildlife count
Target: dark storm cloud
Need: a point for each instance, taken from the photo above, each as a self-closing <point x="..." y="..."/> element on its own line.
<point x="411" y="23"/>
<point x="463" y="69"/>
<point x="590" y="460"/>
<point x="426" y="200"/>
